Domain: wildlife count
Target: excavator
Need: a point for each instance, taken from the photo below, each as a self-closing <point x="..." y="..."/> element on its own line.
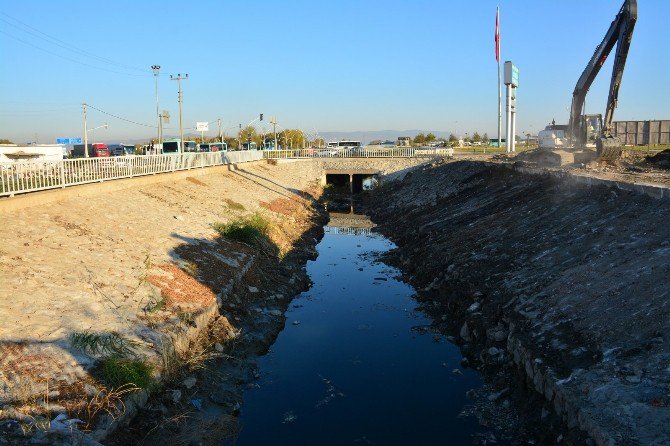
<point x="575" y="142"/>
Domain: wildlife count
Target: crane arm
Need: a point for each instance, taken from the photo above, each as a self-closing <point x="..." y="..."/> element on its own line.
<point x="620" y="33"/>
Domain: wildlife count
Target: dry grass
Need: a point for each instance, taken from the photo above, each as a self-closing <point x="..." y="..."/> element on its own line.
<point x="104" y="402"/>
<point x="181" y="290"/>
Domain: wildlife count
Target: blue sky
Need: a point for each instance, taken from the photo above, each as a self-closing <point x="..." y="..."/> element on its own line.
<point x="321" y="66"/>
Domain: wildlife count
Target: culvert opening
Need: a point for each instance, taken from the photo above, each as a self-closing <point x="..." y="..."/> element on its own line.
<point x="351" y="183"/>
<point x="339" y="181"/>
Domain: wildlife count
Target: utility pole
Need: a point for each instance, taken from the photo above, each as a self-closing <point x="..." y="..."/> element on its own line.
<point x="218" y="121"/>
<point x="85" y="132"/>
<point x="178" y="78"/>
<point x="156" y="69"/>
<point x="239" y="139"/>
<point x="273" y="121"/>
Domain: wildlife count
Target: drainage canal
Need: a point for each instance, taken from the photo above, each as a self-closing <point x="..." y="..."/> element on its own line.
<point x="356" y="363"/>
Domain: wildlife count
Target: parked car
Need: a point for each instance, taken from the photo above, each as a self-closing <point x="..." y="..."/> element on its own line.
<point x="121" y="149"/>
<point x="326" y="152"/>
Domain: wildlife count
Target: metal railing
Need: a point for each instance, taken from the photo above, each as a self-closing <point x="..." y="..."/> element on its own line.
<point x="363" y="152"/>
<point x="338" y="230"/>
<point x="29" y="176"/>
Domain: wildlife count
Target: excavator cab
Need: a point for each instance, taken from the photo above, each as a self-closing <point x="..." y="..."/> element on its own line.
<point x="591" y="127"/>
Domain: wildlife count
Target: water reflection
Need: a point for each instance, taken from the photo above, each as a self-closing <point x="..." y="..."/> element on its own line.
<point x="356" y="362"/>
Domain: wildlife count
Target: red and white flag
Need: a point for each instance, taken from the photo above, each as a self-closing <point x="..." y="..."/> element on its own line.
<point x="497" y="37"/>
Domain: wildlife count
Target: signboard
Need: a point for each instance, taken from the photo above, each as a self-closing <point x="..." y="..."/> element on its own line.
<point x="166" y="116"/>
<point x="511" y="74"/>
<point x="202" y="126"/>
<point x="68" y="140"/>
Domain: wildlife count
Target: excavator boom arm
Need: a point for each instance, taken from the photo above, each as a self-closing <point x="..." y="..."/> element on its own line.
<point x="620" y="33"/>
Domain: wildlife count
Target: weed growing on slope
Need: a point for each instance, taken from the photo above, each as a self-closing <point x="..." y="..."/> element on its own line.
<point x="102" y="343"/>
<point x="118" y="371"/>
<point x="250" y="230"/>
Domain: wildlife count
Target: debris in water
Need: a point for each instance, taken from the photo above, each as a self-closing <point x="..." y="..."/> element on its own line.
<point x="296" y="322"/>
<point x="197" y="404"/>
<point x="289" y="417"/>
<point x="456" y="372"/>
<point x="331" y="393"/>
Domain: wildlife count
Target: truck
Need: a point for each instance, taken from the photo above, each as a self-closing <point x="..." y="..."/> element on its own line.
<point x="96" y="150"/>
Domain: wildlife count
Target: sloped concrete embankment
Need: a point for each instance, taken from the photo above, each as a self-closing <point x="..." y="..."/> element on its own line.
<point x="144" y="266"/>
<point x="564" y="283"/>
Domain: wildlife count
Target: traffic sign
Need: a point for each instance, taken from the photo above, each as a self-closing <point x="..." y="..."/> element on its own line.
<point x="202" y="126"/>
<point x="68" y="140"/>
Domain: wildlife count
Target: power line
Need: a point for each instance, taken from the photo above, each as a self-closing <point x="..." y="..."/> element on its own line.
<point x="135" y="122"/>
<point x="55" y="41"/>
<point x="107" y="70"/>
<point x="119" y="117"/>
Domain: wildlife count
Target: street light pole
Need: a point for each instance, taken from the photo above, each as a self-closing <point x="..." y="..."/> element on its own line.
<point x="156" y="69"/>
<point x="85" y="132"/>
<point x="178" y="78"/>
<point x="96" y="128"/>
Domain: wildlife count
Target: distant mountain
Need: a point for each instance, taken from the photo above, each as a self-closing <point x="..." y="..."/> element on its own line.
<point x="370" y="135"/>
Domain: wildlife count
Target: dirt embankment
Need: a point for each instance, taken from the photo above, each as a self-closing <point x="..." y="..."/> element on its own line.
<point x="563" y="285"/>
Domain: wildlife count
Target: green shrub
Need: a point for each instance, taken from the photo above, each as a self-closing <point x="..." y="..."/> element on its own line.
<point x="118" y="371"/>
<point x="250" y="230"/>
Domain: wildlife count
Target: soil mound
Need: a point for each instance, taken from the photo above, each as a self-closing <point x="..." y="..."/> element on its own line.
<point x="661" y="159"/>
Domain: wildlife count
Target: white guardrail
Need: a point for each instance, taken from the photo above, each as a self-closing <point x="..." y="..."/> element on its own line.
<point x="363" y="152"/>
<point x="29" y="176"/>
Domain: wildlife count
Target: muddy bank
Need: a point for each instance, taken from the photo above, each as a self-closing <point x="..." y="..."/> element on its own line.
<point x="558" y="285"/>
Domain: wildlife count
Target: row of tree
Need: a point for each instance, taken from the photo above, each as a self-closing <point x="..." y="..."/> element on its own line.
<point x="453" y="139"/>
<point x="286" y="139"/>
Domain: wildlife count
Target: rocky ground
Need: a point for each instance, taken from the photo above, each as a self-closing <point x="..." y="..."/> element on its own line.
<point x="559" y="286"/>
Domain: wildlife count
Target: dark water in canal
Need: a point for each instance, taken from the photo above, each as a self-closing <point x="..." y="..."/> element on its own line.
<point x="353" y="365"/>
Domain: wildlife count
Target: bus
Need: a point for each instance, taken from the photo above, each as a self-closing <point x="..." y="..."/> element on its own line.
<point x="349" y="145"/>
<point x="175" y="146"/>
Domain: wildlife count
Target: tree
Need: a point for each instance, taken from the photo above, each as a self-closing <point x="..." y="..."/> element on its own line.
<point x="248" y="133"/>
<point x="430" y="138"/>
<point x="485" y="139"/>
<point x="420" y="139"/>
<point x="5" y="141"/>
<point x="231" y="141"/>
<point x="319" y="142"/>
<point x="453" y="138"/>
<point x="476" y="137"/>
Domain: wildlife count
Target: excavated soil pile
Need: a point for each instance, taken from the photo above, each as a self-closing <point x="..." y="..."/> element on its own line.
<point x="661" y="159"/>
<point x="563" y="285"/>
